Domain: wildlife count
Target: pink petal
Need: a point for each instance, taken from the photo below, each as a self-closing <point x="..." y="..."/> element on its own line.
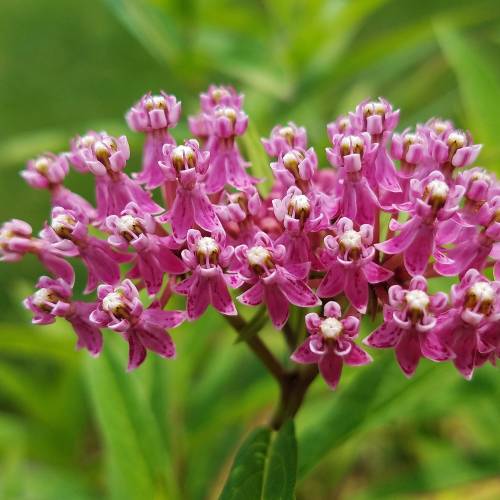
<point x="164" y="319"/>
<point x="181" y="216"/>
<point x="220" y="297"/>
<point x="333" y="282"/>
<point x="296" y="291"/>
<point x="375" y="273"/>
<point x="304" y="355"/>
<point x="464" y="347"/>
<point x="403" y="240"/>
<point x="198" y="297"/>
<point x="433" y="347"/>
<point x="204" y="213"/>
<point x="357" y="357"/>
<point x="277" y="305"/>
<point x="253" y="296"/>
<point x="417" y="255"/>
<point x="88" y="335"/>
<point x="136" y="352"/>
<point x="408" y="352"/>
<point x="386" y="335"/>
<point x="330" y="367"/>
<point x="356" y="289"/>
<point x="157" y="340"/>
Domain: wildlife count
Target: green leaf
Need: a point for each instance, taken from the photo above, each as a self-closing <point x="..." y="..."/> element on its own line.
<point x="264" y="467"/>
<point x="281" y="472"/>
<point x="347" y="412"/>
<point x="479" y="84"/>
<point x="136" y="456"/>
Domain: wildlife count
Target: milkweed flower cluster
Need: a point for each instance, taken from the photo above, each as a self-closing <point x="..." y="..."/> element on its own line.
<point x="364" y="232"/>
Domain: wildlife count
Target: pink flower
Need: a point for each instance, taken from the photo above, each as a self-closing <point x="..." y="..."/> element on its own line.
<point x="378" y="119"/>
<point x="474" y="245"/>
<point x="348" y="258"/>
<point x="53" y="299"/>
<point x="48" y="171"/>
<point x="220" y="95"/>
<point x="409" y="326"/>
<point x="68" y="235"/>
<point x="466" y="328"/>
<point x="154" y="115"/>
<point x="239" y="213"/>
<point x="121" y="310"/>
<point x="341" y="126"/>
<point x="296" y="167"/>
<point x="272" y="279"/>
<point x="355" y="155"/>
<point x="208" y="258"/>
<point x="331" y="344"/>
<point x="299" y="216"/>
<point x="154" y="258"/>
<point x="16" y="241"/>
<point x="432" y="202"/>
<point x="187" y="166"/>
<point x="284" y="139"/>
<point x="106" y="157"/>
<point x="227" y="166"/>
<point x="451" y="149"/>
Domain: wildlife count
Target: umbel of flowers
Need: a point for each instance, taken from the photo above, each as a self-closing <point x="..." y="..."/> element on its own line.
<point x="362" y="233"/>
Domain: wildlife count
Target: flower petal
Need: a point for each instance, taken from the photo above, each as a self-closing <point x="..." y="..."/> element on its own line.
<point x="304" y="355"/>
<point x="385" y="336"/>
<point x="330" y="367"/>
<point x="408" y="352"/>
<point x="357" y="356"/>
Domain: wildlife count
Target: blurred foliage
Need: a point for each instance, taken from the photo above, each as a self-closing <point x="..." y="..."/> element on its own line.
<point x="79" y="428"/>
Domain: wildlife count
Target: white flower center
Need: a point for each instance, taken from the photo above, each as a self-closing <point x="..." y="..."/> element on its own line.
<point x="457" y="139"/>
<point x="126" y="223"/>
<point x="351" y="144"/>
<point x="483" y="292"/>
<point x="86" y="141"/>
<point x="350" y="239"/>
<point x="227" y="112"/>
<point x="331" y="328"/>
<point x="374" y="108"/>
<point x="207" y="246"/>
<point x="258" y="256"/>
<point x="300" y="203"/>
<point x="113" y="302"/>
<point x="42" y="165"/>
<point x="438" y="189"/>
<point x="286" y="132"/>
<point x="155" y="102"/>
<point x="417" y="300"/>
<point x="63" y="221"/>
<point x="42" y="296"/>
<point x="439" y="126"/>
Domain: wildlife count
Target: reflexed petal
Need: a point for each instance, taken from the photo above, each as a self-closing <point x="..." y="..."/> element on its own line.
<point x="304" y="355"/>
<point x="330" y="367"/>
<point x="333" y="282"/>
<point x="198" y="297"/>
<point x="277" y="304"/>
<point x="253" y="296"/>
<point x="157" y="340"/>
<point x="296" y="291"/>
<point x="136" y="352"/>
<point x="357" y="357"/>
<point x="220" y="297"/>
<point x="375" y="273"/>
<point x="386" y="335"/>
<point x="408" y="352"/>
<point x="356" y="289"/>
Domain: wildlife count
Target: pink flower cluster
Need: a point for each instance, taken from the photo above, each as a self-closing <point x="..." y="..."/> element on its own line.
<point x="391" y="212"/>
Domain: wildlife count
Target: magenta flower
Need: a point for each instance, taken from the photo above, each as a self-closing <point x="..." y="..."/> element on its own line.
<point x="474" y="245"/>
<point x="16" y="240"/>
<point x="272" y="279"/>
<point x="354" y="155"/>
<point x="409" y="325"/>
<point x="208" y="259"/>
<point x="106" y="157"/>
<point x="378" y="119"/>
<point x="341" y="126"/>
<point x="432" y="202"/>
<point x="154" y="115"/>
<point x="299" y="216"/>
<point x="220" y="95"/>
<point x="296" y="167"/>
<point x="154" y="257"/>
<point x="331" y="344"/>
<point x="227" y="167"/>
<point x="238" y="213"/>
<point x="452" y="149"/>
<point x="348" y="259"/>
<point x="68" y="235"/>
<point x="121" y="310"/>
<point x="48" y="171"/>
<point x="53" y="299"/>
<point x="466" y="328"/>
<point x="284" y="139"/>
<point x="187" y="166"/>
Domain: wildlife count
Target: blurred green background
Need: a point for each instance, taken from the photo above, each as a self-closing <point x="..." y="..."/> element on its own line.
<point x="76" y="428"/>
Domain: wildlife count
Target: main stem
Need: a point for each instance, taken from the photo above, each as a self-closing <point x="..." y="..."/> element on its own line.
<point x="293" y="383"/>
